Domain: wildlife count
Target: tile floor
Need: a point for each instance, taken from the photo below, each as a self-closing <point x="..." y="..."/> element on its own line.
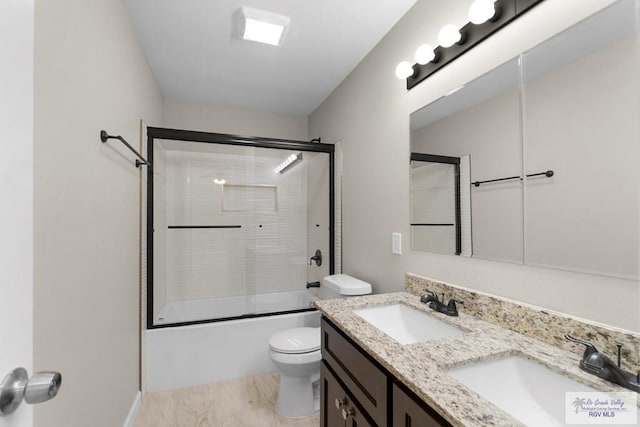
<point x="244" y="402"/>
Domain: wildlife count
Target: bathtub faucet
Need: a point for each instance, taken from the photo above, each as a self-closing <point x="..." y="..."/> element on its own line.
<point x="313" y="285"/>
<point x="317" y="258"/>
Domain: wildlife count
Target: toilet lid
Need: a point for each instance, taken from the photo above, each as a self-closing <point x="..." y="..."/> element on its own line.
<point x="297" y="340"/>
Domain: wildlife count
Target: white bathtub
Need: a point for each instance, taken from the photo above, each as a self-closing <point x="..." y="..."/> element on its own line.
<point x="200" y="354"/>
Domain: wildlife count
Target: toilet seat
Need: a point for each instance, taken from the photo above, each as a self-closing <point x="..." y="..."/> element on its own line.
<point x="295" y="358"/>
<point x="295" y="341"/>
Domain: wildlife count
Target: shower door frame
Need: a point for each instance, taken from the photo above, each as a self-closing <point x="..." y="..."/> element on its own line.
<point x="154" y="133"/>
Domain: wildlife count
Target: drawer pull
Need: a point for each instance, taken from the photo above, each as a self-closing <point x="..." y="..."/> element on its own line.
<point x="346" y="413"/>
<point x="340" y="403"/>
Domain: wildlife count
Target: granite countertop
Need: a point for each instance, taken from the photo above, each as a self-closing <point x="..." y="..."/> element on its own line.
<point x="422" y="366"/>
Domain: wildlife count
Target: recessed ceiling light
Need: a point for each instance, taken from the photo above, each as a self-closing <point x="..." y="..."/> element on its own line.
<point x="262" y="26"/>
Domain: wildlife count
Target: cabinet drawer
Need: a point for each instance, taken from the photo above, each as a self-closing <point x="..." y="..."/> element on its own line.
<point x="361" y="376"/>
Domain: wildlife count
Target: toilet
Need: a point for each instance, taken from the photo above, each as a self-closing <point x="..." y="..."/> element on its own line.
<point x="296" y="353"/>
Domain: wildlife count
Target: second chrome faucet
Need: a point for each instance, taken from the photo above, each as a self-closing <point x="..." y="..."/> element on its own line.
<point x="450" y="309"/>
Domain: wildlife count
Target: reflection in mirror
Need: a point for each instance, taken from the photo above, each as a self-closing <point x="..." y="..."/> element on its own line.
<point x="558" y="147"/>
<point x="440" y="204"/>
<point x="580" y="104"/>
<point x="481" y="123"/>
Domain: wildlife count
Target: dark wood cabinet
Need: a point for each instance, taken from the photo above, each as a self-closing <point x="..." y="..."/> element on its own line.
<point x="337" y="406"/>
<point x="407" y="412"/>
<point x="358" y="391"/>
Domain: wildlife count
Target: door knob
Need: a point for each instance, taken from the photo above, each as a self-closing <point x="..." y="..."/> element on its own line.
<point x="16" y="387"/>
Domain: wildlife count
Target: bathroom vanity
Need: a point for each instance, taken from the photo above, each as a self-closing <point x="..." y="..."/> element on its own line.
<point x="366" y="394"/>
<point x="373" y="375"/>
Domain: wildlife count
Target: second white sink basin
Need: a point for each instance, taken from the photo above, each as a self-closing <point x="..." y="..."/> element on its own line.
<point x="526" y="390"/>
<point x="405" y="324"/>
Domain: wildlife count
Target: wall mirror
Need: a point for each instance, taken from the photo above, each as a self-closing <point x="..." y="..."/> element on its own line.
<point x="555" y="132"/>
<point x="463" y="125"/>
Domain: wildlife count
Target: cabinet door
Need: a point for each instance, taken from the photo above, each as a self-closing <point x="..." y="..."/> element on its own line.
<point x="355" y="418"/>
<point x="330" y="393"/>
<point x="365" y="381"/>
<point x="408" y="413"/>
<point x="337" y="408"/>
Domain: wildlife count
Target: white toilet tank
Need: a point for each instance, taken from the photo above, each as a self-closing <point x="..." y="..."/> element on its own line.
<point x="341" y="286"/>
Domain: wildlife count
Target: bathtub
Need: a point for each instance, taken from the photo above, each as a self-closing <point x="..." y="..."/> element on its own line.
<point x="184" y="356"/>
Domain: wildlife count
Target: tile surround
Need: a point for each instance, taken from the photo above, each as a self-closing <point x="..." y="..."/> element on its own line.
<point x="220" y="263"/>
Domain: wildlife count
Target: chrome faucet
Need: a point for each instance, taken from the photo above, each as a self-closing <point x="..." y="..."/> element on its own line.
<point x="450" y="309"/>
<point x="601" y="366"/>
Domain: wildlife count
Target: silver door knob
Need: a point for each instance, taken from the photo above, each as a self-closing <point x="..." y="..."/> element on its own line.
<point x="42" y="386"/>
<point x="16" y="387"/>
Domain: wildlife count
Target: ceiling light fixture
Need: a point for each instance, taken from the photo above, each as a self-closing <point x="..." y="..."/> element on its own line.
<point x="288" y="163"/>
<point x="219" y="181"/>
<point x="262" y="26"/>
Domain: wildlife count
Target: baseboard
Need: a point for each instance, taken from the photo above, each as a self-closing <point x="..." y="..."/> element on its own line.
<point x="135" y="406"/>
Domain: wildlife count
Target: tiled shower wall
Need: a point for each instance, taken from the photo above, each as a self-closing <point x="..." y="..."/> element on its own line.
<point x="267" y="254"/>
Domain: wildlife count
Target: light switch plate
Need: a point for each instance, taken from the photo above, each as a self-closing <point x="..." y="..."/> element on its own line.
<point x="396" y="243"/>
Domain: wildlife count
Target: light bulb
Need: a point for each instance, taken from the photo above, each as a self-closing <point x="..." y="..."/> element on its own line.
<point x="425" y="54"/>
<point x="404" y="70"/>
<point x="449" y="35"/>
<point x="481" y="11"/>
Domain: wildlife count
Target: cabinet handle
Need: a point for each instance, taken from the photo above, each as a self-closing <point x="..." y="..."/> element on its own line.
<point x="340" y="403"/>
<point x="347" y="412"/>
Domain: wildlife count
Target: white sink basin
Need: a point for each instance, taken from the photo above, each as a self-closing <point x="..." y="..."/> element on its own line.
<point x="405" y="324"/>
<point x="526" y="390"/>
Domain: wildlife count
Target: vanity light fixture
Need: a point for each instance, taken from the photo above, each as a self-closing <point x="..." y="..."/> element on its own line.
<point x="485" y="18"/>
<point x="450" y="35"/>
<point x="288" y="163"/>
<point x="404" y="70"/>
<point x="481" y="11"/>
<point x="262" y="26"/>
<point x="425" y="54"/>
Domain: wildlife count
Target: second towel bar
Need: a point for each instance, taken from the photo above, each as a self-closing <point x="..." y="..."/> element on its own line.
<point x="548" y="174"/>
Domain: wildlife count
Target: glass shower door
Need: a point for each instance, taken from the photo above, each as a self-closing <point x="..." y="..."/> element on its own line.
<point x="235" y="226"/>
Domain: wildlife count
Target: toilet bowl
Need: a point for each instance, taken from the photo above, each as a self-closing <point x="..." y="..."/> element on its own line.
<point x="296" y="354"/>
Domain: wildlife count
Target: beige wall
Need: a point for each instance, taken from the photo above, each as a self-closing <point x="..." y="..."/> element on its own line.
<point x="233" y="120"/>
<point x="90" y="75"/>
<point x="369" y="112"/>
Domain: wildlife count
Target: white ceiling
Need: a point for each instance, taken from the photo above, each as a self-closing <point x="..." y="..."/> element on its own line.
<point x="195" y="56"/>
